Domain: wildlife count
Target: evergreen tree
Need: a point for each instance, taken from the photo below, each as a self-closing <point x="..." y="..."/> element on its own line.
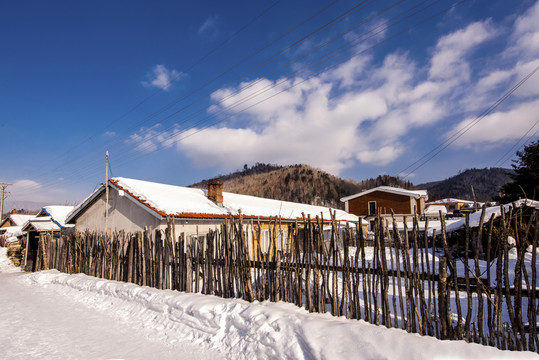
<point x="525" y="182"/>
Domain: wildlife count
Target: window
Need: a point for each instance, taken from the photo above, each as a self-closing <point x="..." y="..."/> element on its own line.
<point x="372" y="207"/>
<point x="282" y="239"/>
<point x="264" y="241"/>
<point x="280" y="242"/>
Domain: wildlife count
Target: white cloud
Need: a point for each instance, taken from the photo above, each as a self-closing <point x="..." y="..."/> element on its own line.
<point x="350" y="72"/>
<point x="356" y="112"/>
<point x="493" y="79"/>
<point x="449" y="59"/>
<point x="162" y="78"/>
<point x="530" y="87"/>
<point x="32" y="195"/>
<point x="380" y="156"/>
<point x="25" y="185"/>
<point x="526" y="33"/>
<point x="210" y="26"/>
<point x="499" y="127"/>
<point x="315" y="121"/>
<point x="360" y="111"/>
<point x="26" y="190"/>
<point x="149" y="139"/>
<point x="487" y="89"/>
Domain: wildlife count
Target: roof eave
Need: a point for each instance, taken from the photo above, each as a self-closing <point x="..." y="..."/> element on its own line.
<point x="70" y="219"/>
<point x="366" y="192"/>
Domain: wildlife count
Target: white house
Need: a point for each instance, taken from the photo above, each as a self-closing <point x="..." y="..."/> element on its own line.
<point x="133" y="205"/>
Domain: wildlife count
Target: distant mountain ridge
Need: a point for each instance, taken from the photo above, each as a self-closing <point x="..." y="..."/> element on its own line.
<point x="486" y="184"/>
<point x="305" y="184"/>
<point x="299" y="183"/>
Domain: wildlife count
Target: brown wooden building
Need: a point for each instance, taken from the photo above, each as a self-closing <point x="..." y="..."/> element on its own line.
<point x="386" y="199"/>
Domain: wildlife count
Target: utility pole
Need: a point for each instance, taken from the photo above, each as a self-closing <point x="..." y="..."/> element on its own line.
<point x="474" y="201"/>
<point x="107" y="193"/>
<point x="2" y="197"/>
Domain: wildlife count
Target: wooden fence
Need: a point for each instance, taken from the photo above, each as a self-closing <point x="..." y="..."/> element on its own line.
<point x="407" y="279"/>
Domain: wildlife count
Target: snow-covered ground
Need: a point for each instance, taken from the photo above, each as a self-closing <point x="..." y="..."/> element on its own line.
<point x="51" y="315"/>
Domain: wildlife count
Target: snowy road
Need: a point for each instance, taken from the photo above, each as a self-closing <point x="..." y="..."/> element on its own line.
<point x="50" y="315"/>
<point x="40" y="322"/>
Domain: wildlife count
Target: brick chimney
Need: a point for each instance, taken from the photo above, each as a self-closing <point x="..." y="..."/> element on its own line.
<point x="215" y="190"/>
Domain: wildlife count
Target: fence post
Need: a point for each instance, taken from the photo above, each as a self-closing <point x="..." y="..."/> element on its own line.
<point x="189" y="269"/>
<point x="442" y="299"/>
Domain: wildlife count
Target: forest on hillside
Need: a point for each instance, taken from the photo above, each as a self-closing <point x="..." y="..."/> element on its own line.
<point x="486" y="184"/>
<point x="299" y="183"/>
<point x="305" y="184"/>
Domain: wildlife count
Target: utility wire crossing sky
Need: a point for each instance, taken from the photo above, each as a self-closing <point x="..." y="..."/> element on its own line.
<point x="181" y="92"/>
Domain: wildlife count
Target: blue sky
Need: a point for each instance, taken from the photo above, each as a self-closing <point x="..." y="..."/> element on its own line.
<point x="182" y="91"/>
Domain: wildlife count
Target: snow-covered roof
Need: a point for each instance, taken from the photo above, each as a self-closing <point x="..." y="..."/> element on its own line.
<point x="172" y="200"/>
<point x="18" y="219"/>
<point x="433" y="225"/>
<point x="45" y="223"/>
<point x="435" y="210"/>
<point x="416" y="194"/>
<point x="449" y="201"/>
<point x="58" y="213"/>
<point x="11" y="231"/>
<point x="475" y="218"/>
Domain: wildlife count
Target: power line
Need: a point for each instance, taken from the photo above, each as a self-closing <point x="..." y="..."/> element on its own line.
<point x="319" y="62"/>
<point x="359" y="39"/>
<point x="176" y="77"/>
<point x="464" y="129"/>
<point x="269" y="87"/>
<point x="340" y="18"/>
<point x="168" y="106"/>
<point x="509" y="152"/>
<point x="325" y="59"/>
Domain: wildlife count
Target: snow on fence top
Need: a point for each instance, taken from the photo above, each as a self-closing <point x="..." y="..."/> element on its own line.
<point x="475" y="218"/>
<point x="449" y="200"/>
<point x="434" y="210"/>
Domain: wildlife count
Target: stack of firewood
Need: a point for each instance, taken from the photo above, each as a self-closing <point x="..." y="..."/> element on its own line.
<point x="14" y="252"/>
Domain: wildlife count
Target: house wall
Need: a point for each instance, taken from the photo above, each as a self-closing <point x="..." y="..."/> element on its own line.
<point x="124" y="214"/>
<point x="385" y="201"/>
<point x="130" y="215"/>
<point x="420" y="205"/>
<point x="191" y="227"/>
<point x="8" y="223"/>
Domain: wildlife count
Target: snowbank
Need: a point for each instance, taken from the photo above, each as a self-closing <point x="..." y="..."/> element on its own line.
<point x="6" y="266"/>
<point x="238" y="329"/>
<point x="173" y="323"/>
<point x="12" y="231"/>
